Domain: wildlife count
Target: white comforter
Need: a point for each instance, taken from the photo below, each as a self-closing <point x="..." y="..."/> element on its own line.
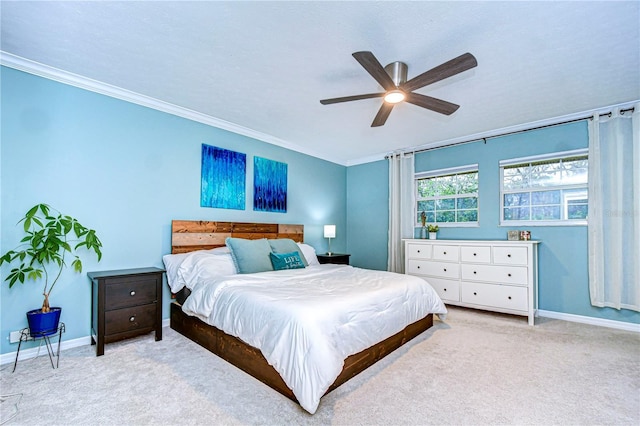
<point x="307" y="321"/>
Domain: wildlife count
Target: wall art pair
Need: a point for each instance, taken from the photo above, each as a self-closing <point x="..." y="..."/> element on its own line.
<point x="223" y="181"/>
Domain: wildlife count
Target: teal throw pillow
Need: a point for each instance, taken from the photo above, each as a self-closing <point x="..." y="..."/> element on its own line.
<point x="250" y="256"/>
<point x="282" y="261"/>
<point x="287" y="245"/>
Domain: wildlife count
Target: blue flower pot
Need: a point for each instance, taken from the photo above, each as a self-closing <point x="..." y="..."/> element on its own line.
<point x="43" y="323"/>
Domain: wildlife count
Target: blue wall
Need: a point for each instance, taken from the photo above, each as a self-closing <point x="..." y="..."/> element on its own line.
<point x="563" y="270"/>
<point x="368" y="214"/>
<point x="127" y="171"/>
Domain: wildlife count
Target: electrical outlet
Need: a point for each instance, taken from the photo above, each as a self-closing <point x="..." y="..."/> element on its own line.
<point x="14" y="336"/>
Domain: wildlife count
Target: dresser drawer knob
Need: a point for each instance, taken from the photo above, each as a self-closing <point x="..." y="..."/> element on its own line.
<point x="445" y="289"/>
<point x="133" y="293"/>
<point x="509" y="297"/>
<point x="132" y="319"/>
<point x="475" y="294"/>
<point x="418" y="251"/>
<point x="445" y="252"/>
<point x="508" y="275"/>
<point x="445" y="269"/>
<point x="474" y="272"/>
<point x="509" y="255"/>
<point x="418" y="266"/>
<point x="474" y="254"/>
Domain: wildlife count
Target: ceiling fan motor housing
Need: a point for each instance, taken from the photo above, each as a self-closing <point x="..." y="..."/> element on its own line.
<point x="398" y="72"/>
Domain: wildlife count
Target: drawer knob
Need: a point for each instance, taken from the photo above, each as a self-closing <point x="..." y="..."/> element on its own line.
<point x="474" y="272"/>
<point x="132" y="319"/>
<point x="445" y="252"/>
<point x="133" y="293"/>
<point x="509" y="297"/>
<point x="475" y="294"/>
<point x="418" y="266"/>
<point x="418" y="251"/>
<point x="508" y="275"/>
<point x="474" y="254"/>
<point x="445" y="289"/>
<point x="509" y="255"/>
<point x="445" y="269"/>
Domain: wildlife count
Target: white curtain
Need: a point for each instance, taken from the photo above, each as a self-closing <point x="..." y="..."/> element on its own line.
<point x="614" y="210"/>
<point x="401" y="200"/>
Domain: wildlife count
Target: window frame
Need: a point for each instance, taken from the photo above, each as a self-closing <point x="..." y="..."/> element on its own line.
<point x="551" y="157"/>
<point x="450" y="171"/>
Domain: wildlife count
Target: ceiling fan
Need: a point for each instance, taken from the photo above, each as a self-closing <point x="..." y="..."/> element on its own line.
<point x="393" y="78"/>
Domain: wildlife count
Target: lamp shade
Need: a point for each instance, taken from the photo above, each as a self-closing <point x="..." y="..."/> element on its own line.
<point x="329" y="231"/>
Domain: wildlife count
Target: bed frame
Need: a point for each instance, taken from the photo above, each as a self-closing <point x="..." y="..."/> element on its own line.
<point x="188" y="236"/>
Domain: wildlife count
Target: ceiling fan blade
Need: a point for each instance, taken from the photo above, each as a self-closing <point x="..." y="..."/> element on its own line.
<point x="437" y="105"/>
<point x="448" y="69"/>
<point x="373" y="67"/>
<point x="351" y="98"/>
<point x="382" y="115"/>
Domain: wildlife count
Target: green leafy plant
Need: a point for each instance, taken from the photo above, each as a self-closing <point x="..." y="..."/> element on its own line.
<point x="433" y="228"/>
<point x="47" y="243"/>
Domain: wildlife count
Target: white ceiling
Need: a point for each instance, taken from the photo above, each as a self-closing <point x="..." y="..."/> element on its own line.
<point x="263" y="66"/>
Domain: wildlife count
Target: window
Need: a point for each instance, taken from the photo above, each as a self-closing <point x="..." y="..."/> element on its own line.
<point x="545" y="190"/>
<point x="448" y="196"/>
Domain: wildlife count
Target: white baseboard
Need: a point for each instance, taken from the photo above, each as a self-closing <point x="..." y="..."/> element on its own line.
<point x="66" y="344"/>
<point x="620" y="325"/>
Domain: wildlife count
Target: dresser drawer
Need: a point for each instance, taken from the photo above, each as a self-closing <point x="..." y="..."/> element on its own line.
<point x="495" y="296"/>
<point x="434" y="269"/>
<point x="479" y="254"/>
<point x="131" y="291"/>
<point x="510" y="255"/>
<point x="516" y="275"/>
<point x="419" y="251"/>
<point x="128" y="319"/>
<point x="444" y="252"/>
<point x="448" y="290"/>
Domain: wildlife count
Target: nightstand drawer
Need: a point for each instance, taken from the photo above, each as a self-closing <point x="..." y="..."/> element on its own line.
<point x="132" y="291"/>
<point x="128" y="319"/>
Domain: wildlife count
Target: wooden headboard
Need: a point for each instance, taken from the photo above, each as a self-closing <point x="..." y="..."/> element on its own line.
<point x="191" y="235"/>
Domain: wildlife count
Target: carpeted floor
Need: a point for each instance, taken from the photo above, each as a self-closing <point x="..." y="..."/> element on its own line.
<point x="475" y="368"/>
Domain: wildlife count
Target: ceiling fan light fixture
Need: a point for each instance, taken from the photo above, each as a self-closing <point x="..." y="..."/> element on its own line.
<point x="394" y="96"/>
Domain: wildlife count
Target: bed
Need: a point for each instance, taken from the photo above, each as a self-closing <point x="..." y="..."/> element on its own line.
<point x="207" y="304"/>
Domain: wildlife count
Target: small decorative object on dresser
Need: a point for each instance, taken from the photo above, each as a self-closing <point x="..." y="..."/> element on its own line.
<point x="433" y="231"/>
<point x="336" y="258"/>
<point x="499" y="276"/>
<point x="125" y="303"/>
<point x="513" y="235"/>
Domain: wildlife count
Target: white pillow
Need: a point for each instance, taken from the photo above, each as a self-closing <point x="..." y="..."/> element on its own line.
<point x="205" y="265"/>
<point x="172" y="264"/>
<point x="309" y="253"/>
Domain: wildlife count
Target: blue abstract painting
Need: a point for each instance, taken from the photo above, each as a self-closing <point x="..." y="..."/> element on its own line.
<point x="269" y="185"/>
<point x="224" y="174"/>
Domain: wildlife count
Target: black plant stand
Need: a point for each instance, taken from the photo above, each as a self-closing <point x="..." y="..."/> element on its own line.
<point x="24" y="336"/>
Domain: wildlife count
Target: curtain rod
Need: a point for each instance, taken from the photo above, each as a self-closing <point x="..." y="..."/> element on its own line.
<point x="590" y="117"/>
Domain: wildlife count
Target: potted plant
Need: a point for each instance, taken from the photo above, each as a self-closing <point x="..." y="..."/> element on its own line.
<point x="49" y="239"/>
<point x="433" y="231"/>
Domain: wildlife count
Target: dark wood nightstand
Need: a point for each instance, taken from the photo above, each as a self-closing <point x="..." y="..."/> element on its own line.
<point x="124" y="304"/>
<point x="338" y="258"/>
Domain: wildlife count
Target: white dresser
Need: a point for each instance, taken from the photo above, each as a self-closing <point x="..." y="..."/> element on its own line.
<point x="499" y="276"/>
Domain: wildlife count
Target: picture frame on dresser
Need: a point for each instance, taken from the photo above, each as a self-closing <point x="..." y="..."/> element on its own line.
<point x="492" y="275"/>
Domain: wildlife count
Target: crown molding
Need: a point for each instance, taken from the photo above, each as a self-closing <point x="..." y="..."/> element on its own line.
<point x="32" y="67"/>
